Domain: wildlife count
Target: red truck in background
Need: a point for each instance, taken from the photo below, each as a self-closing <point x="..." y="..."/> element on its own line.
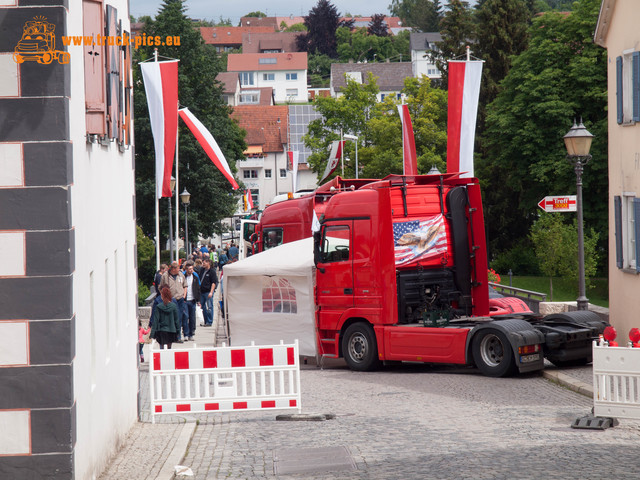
<point x="401" y="275"/>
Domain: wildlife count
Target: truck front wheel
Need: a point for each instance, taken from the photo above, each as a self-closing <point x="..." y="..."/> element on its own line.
<point x="359" y="347"/>
<point x="493" y="354"/>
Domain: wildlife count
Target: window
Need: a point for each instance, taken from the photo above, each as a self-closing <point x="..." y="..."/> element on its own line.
<point x="283" y="173"/>
<point x="335" y="244"/>
<point x="355" y="76"/>
<point x="246" y="78"/>
<point x="382" y="95"/>
<point x="628" y="87"/>
<point x="292" y="92"/>
<point x="268" y="77"/>
<point x="249" y="174"/>
<point x="267" y="61"/>
<point x="94" y="69"/>
<point x="292" y="76"/>
<point x="255" y="197"/>
<point x="272" y="237"/>
<point x="278" y="296"/>
<point x="627" y="231"/>
<point x="249" y="98"/>
<point x="267" y="173"/>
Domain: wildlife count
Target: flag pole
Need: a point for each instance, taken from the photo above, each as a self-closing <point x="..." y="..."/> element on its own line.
<point x="342" y="152"/>
<point x="402" y="129"/>
<point x="177" y="205"/>
<point x="157" y="202"/>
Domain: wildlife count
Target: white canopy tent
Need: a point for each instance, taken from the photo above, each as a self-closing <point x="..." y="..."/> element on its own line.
<point x="269" y="297"/>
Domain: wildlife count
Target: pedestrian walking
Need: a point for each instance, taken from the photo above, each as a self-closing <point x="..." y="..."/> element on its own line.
<point x="174" y="279"/>
<point x="142" y="338"/>
<point x="192" y="297"/>
<point x="166" y="321"/>
<point x="208" y="284"/>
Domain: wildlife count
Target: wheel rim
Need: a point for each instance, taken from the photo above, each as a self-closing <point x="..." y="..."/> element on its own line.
<point x="491" y="350"/>
<point x="358" y="347"/>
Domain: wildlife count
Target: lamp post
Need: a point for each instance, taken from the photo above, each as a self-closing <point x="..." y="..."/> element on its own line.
<point x="354" y="138"/>
<point x="185" y="197"/>
<point x="173" y="186"/>
<point x="578" y="143"/>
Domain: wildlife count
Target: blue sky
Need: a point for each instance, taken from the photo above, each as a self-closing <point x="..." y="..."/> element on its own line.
<point x="234" y="9"/>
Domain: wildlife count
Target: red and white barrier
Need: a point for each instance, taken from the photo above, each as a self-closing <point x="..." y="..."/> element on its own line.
<point x="616" y="381"/>
<point x="225" y="379"/>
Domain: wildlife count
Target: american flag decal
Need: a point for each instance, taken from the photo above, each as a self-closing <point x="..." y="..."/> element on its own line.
<point x="419" y="239"/>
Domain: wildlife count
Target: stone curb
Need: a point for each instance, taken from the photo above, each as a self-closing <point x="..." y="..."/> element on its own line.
<point x="569" y="382"/>
<point x="179" y="450"/>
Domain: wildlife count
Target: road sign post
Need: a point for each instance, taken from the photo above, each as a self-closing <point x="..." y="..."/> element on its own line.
<point x="558" y="203"/>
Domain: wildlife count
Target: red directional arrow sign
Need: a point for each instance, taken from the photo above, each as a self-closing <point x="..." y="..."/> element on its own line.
<point x="558" y="203"/>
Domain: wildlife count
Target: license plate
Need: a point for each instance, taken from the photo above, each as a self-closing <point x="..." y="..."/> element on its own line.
<point x="529" y="358"/>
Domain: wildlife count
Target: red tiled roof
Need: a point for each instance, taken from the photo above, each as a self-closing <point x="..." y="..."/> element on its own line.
<point x="265" y="126"/>
<point x="229" y="35"/>
<point x="229" y="80"/>
<point x="244" y="62"/>
<point x="256" y="42"/>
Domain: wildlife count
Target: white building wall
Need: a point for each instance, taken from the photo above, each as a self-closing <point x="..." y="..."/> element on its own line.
<point x="105" y="372"/>
<point x="280" y="85"/>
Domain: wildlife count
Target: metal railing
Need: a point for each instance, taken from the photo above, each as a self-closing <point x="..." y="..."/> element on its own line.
<point x="531" y="298"/>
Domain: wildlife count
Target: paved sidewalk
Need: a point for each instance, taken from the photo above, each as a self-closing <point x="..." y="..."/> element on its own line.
<point x="151" y="451"/>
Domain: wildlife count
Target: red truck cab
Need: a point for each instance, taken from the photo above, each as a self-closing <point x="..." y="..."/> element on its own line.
<point x="402" y="276"/>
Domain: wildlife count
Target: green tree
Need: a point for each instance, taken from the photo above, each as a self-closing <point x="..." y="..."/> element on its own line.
<point x="322" y="22"/>
<point x="378" y="127"/>
<point x="211" y="195"/>
<point x="423" y="15"/>
<point x="457" y="31"/>
<point x="501" y="33"/>
<point x="359" y="46"/>
<point x="257" y="14"/>
<point x="319" y="70"/>
<point x="556" y="247"/>
<point x="561" y="75"/>
<point x="377" y="26"/>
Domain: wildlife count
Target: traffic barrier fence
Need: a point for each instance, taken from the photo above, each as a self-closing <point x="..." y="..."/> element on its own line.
<point x="616" y="381"/>
<point x="225" y="379"/>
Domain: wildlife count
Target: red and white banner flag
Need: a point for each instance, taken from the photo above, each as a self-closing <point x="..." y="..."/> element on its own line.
<point x="334" y="158"/>
<point x="206" y="140"/>
<point x="161" y="86"/>
<point x="410" y="159"/>
<point x="293" y="161"/>
<point x="464" y="90"/>
<point x="248" y="201"/>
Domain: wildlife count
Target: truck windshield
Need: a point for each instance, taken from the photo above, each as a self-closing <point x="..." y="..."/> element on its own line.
<point x="335" y="244"/>
<point x="272" y="237"/>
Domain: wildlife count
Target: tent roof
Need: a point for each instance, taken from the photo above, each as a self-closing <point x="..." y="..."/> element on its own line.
<point x="295" y="258"/>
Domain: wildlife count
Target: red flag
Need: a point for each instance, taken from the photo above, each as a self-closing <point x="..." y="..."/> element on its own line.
<point x="334" y="158"/>
<point x="161" y="86"/>
<point x="248" y="200"/>
<point x="410" y="159"/>
<point x="464" y="90"/>
<point x="206" y="140"/>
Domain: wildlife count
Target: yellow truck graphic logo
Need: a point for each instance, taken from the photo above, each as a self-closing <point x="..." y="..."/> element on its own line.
<point x="38" y="43"/>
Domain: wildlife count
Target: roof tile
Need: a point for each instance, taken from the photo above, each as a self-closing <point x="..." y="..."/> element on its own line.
<point x="265" y="125"/>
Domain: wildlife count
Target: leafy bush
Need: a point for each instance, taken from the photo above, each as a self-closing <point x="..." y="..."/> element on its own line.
<point x="521" y="260"/>
<point x="143" y="293"/>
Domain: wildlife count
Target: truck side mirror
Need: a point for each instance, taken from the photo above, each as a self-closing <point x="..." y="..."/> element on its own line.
<point x="317" y="238"/>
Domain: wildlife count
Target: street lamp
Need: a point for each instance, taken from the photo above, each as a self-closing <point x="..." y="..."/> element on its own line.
<point x="578" y="143"/>
<point x="185" y="197"/>
<point x="172" y="183"/>
<point x="355" y="138"/>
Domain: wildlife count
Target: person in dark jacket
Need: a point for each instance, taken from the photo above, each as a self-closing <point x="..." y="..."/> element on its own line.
<point x="208" y="283"/>
<point x="166" y="321"/>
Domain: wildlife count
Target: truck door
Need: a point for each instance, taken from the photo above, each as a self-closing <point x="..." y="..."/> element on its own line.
<point x="334" y="275"/>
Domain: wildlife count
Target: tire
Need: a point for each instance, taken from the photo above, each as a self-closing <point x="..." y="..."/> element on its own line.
<point x="492" y="353"/>
<point x="18" y="58"/>
<point x="359" y="347"/>
<point x="46" y="58"/>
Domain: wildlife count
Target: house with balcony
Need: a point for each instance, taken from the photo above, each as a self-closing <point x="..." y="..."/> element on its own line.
<point x="233" y="94"/>
<point x="285" y="73"/>
<point x="617" y="31"/>
<point x="389" y="77"/>
<point x="264" y="170"/>
<point x="227" y="39"/>
<point x="423" y="47"/>
<point x="279" y="42"/>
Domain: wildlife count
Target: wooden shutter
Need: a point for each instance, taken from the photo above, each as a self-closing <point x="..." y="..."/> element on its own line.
<point x="636" y="227"/>
<point x="94" y="66"/>
<point x="635" y="81"/>
<point x="617" y="209"/>
<point x="112" y="72"/>
<point x="619" y="83"/>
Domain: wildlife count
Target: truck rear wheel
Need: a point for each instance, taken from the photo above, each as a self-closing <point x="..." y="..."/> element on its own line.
<point x="493" y="354"/>
<point x="359" y="347"/>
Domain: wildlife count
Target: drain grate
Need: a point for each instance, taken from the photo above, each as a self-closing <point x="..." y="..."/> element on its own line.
<point x="309" y="460"/>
